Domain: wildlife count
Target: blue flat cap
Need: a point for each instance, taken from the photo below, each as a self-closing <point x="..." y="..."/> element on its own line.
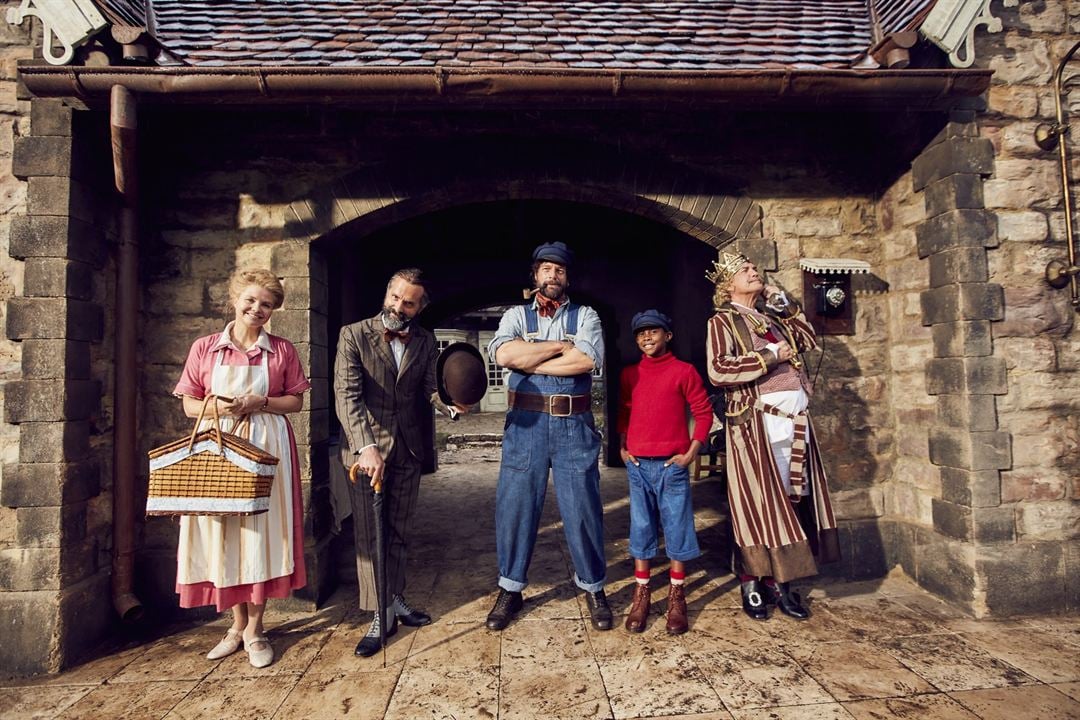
<point x="555" y="252"/>
<point x="651" y="319"/>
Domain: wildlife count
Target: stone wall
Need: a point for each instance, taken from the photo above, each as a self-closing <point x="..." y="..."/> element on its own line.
<point x="984" y="382"/>
<point x="14" y="122"/>
<point x="1028" y="553"/>
<point x="853" y="412"/>
<point x="229" y="199"/>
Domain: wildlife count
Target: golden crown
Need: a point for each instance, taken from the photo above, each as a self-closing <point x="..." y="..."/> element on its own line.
<point x="725" y="267"/>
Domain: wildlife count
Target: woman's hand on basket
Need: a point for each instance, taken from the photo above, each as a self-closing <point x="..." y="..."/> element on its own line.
<point x="245" y="404"/>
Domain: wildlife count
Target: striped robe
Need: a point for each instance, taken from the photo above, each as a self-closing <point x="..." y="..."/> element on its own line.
<point x="774" y="536"/>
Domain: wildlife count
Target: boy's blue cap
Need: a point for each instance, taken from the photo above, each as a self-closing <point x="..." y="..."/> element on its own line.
<point x="555" y="252"/>
<point x="651" y="319"/>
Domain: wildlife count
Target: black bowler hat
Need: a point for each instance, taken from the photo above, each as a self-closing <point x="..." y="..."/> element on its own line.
<point x="555" y="252"/>
<point x="650" y="319"/>
<point x="461" y="374"/>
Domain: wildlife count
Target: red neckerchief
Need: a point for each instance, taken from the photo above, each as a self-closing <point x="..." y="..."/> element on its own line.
<point x="546" y="306"/>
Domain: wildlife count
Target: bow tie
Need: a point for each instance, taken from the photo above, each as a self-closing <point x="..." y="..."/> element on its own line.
<point x="546" y="306"/>
<point x="403" y="336"/>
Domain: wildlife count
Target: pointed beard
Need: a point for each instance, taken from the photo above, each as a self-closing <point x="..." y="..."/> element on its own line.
<point x="395" y="321"/>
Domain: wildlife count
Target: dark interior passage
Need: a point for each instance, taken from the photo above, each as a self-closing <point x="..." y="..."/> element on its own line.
<point x="479" y="255"/>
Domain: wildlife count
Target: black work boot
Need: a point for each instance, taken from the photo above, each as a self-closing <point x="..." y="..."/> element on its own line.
<point x="599" y="609"/>
<point x="507" y="605"/>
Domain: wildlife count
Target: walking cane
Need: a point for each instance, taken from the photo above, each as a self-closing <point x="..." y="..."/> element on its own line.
<point x="380" y="555"/>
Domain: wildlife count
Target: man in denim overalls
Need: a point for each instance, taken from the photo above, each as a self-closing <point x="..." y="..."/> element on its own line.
<point x="551" y="347"/>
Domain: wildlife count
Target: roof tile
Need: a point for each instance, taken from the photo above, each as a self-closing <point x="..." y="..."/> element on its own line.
<point x="681" y="34"/>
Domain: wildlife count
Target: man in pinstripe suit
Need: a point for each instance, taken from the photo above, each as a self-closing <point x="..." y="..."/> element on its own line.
<point x="384" y="380"/>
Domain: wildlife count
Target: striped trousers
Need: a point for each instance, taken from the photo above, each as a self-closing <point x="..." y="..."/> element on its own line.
<point x="401" y="486"/>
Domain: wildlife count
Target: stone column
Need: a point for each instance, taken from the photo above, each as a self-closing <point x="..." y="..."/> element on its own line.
<point x="55" y="593"/>
<point x="965" y="376"/>
<point x="303" y="321"/>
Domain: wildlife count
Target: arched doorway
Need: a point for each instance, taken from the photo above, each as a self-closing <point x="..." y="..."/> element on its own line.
<point x="477" y="255"/>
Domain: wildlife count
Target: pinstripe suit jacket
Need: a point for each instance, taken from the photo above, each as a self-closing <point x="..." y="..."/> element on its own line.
<point x="377" y="403"/>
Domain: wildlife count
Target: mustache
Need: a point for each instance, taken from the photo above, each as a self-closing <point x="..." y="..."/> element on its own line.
<point x="394" y="320"/>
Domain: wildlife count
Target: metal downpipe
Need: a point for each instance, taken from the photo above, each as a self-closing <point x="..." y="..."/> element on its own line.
<point x="122" y="125"/>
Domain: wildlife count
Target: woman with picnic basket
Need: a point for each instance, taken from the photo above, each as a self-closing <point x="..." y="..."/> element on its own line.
<point x="238" y="561"/>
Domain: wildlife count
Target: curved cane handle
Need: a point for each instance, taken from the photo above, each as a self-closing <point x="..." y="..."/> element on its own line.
<point x="355" y="472"/>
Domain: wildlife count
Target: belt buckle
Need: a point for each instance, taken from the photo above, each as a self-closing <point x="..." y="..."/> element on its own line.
<point x="569" y="405"/>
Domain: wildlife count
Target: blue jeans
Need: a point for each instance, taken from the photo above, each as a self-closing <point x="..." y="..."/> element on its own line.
<point x="570" y="446"/>
<point x="660" y="497"/>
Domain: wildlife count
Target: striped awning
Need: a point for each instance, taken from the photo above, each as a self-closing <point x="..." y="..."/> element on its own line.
<point x="835" y="266"/>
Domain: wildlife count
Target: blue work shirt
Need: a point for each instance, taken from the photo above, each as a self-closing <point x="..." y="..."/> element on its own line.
<point x="589" y="338"/>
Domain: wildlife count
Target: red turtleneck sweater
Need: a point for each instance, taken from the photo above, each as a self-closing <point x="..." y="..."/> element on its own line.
<point x="653" y="396"/>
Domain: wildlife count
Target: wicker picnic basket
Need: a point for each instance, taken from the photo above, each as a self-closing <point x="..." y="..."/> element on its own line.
<point x="210" y="473"/>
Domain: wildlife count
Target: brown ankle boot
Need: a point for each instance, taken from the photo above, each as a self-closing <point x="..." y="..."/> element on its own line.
<point x="676" y="611"/>
<point x="639" y="608"/>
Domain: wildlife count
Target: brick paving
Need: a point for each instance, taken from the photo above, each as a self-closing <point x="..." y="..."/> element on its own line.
<point x="881" y="649"/>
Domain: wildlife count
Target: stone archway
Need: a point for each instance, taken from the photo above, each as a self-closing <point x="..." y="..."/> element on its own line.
<point x="357" y="205"/>
<point x="369" y="199"/>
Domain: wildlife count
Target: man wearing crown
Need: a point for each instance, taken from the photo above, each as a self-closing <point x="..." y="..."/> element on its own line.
<point x="777" y="490"/>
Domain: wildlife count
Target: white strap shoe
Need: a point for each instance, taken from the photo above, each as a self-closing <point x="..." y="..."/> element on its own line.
<point x="259" y="657"/>
<point x="228" y="645"/>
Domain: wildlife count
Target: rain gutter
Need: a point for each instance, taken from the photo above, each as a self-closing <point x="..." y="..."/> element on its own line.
<point x="201" y="85"/>
<point x="124" y="128"/>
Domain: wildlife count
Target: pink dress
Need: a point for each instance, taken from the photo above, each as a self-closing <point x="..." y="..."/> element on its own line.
<point x="226" y="560"/>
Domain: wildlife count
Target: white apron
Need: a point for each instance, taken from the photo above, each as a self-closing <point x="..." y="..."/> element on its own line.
<point x="781" y="431"/>
<point x="240" y="550"/>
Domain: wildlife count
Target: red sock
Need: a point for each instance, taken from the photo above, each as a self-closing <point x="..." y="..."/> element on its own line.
<point x="642" y="576"/>
<point x="747" y="578"/>
<point x="677" y="578"/>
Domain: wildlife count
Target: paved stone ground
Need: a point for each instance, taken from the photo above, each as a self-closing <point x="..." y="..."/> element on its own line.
<point x="870" y="650"/>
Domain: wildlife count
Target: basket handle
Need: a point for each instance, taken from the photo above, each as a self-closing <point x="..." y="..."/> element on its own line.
<point x="217" y="424"/>
<point x="242" y="426"/>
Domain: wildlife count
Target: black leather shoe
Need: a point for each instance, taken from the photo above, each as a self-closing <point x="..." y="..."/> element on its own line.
<point x="408" y="616"/>
<point x="369" y="644"/>
<point x="507" y="605"/>
<point x="788" y="601"/>
<point x="599" y="609"/>
<point x="753" y="600"/>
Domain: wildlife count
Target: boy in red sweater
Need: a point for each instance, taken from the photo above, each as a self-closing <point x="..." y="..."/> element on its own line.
<point x="657" y="449"/>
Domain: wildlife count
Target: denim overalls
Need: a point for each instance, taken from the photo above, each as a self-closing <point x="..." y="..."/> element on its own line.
<point x="533" y="442"/>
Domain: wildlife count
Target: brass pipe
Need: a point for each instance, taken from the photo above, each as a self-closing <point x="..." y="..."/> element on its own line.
<point x="1058" y="273"/>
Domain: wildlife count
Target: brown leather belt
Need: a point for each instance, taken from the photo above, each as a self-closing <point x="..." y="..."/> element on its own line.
<point x="556" y="405"/>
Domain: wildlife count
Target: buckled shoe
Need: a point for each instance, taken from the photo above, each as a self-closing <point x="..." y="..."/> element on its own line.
<point x="788" y="601"/>
<point x="753" y="600"/>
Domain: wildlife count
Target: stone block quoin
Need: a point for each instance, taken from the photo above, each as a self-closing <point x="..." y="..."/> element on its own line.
<point x="56" y="321"/>
<point x="964" y="375"/>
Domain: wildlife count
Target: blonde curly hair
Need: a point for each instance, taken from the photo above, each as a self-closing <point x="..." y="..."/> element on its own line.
<point x="721" y="294"/>
<point x="255" y="276"/>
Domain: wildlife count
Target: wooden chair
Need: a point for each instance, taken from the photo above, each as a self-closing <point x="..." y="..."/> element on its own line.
<point x="707" y="464"/>
<point x="710" y="461"/>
